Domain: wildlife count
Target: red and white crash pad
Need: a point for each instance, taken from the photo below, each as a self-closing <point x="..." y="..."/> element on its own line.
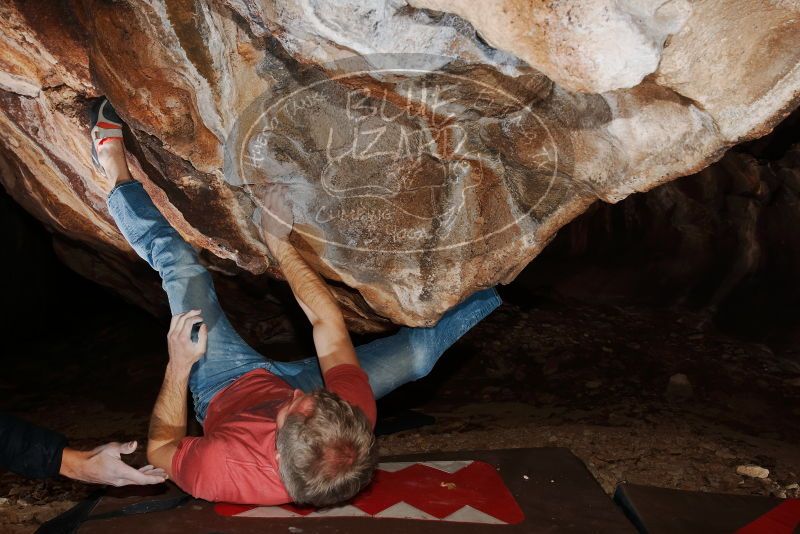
<point x="460" y="491"/>
<point x="466" y="492"/>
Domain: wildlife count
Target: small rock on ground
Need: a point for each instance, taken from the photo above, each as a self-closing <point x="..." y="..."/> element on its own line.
<point x="753" y="471"/>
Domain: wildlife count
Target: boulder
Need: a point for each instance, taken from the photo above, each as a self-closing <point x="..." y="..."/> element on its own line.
<point x="430" y="148"/>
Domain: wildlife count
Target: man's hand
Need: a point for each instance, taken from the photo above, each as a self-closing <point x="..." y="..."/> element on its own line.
<point x="104" y="465"/>
<point x="183" y="352"/>
<point x="277" y="218"/>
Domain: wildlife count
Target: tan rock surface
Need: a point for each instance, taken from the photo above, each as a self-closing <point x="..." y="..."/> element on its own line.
<point x="590" y="47"/>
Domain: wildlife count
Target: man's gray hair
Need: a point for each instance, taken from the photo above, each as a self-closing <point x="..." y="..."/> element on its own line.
<point x="329" y="456"/>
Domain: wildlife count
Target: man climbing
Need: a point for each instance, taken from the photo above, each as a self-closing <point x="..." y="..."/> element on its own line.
<point x="274" y="432"/>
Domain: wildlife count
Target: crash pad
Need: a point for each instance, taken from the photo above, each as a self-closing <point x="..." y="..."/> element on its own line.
<point x="511" y="490"/>
<point x="670" y="511"/>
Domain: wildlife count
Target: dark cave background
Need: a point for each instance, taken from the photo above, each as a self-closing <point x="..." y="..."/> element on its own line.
<point x="42" y="296"/>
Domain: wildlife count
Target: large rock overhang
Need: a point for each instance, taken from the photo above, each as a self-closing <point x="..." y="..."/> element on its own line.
<point x="431" y="148"/>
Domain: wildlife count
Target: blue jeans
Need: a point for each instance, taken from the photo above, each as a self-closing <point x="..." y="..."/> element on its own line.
<point x="390" y="362"/>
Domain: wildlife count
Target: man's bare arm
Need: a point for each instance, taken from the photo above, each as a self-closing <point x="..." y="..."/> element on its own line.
<point x="331" y="337"/>
<point x="168" y="421"/>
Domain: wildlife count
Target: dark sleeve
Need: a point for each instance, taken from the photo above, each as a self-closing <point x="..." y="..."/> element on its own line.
<point x="29" y="450"/>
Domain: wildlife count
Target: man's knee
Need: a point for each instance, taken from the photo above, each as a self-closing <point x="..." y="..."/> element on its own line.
<point x="177" y="260"/>
<point x="423" y="355"/>
<point x="171" y="250"/>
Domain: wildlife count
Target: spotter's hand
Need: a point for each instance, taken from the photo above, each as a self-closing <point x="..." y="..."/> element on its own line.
<point x="104" y="465"/>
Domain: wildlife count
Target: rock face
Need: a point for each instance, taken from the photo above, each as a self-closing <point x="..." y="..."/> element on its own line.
<point x="429" y="148"/>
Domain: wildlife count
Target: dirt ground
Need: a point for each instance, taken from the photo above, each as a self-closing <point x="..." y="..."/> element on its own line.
<point x="600" y="380"/>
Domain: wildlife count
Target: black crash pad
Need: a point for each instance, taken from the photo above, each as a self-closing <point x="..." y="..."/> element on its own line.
<point x="513" y="490"/>
<point x="669" y="511"/>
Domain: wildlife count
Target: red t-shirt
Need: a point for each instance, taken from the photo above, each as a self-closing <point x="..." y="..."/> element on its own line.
<point x="235" y="460"/>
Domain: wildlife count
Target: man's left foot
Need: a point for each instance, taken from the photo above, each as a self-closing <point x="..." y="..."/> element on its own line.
<point x="108" y="150"/>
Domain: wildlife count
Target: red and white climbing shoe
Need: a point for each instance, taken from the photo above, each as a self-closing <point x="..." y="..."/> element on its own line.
<point x="106" y="125"/>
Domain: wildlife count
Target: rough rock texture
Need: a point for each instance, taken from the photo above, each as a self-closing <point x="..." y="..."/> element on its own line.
<point x="410" y="188"/>
<point x="591" y="47"/>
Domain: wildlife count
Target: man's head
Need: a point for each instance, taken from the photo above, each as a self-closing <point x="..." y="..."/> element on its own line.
<point x="326" y="449"/>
